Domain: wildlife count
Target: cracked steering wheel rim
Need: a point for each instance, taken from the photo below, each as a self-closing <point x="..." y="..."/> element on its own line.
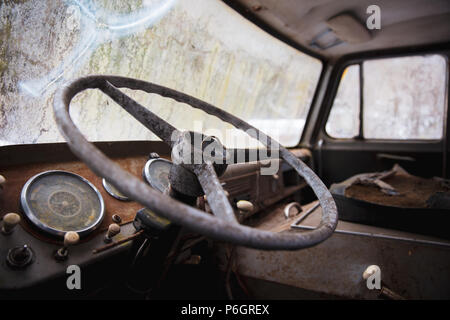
<point x="180" y="213"/>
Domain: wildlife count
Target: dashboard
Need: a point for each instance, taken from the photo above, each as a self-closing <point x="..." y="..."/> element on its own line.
<point x="56" y="212"/>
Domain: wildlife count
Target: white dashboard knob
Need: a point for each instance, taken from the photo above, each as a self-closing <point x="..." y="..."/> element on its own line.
<point x="10" y="221"/>
<point x="71" y="238"/>
<point x="113" y="230"/>
<point x="2" y="180"/>
<point x="245" y="206"/>
<point x="370" y="270"/>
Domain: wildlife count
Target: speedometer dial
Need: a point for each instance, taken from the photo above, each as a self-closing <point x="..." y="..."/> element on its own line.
<point x="59" y="201"/>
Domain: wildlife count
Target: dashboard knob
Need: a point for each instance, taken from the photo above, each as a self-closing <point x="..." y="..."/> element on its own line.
<point x="116" y="218"/>
<point x="153" y="155"/>
<point x="245" y="206"/>
<point x="2" y="181"/>
<point x="10" y="221"/>
<point x="71" y="238"/>
<point x="113" y="230"/>
<point x="370" y="270"/>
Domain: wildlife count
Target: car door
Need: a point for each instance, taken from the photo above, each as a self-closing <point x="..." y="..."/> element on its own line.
<point x="383" y="111"/>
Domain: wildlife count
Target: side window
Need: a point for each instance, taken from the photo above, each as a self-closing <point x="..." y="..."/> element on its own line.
<point x="403" y="98"/>
<point x="343" y="121"/>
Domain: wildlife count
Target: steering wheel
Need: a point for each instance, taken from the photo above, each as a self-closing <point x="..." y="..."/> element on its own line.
<point x="223" y="225"/>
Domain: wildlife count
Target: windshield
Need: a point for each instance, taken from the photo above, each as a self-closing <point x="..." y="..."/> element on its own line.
<point x="202" y="48"/>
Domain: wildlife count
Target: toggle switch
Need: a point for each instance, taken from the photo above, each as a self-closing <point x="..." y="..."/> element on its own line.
<point x="113" y="230"/>
<point x="20" y="257"/>
<point x="10" y="221"/>
<point x="71" y="238"/>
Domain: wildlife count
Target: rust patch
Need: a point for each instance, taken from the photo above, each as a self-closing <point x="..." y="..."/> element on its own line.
<point x="17" y="176"/>
<point x="413" y="191"/>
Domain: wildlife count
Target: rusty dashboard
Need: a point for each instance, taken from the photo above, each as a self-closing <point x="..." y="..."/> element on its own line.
<point x="19" y="163"/>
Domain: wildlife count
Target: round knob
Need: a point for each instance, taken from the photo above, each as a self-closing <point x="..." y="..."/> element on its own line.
<point x="2" y="181"/>
<point x="116" y="218"/>
<point x="245" y="206"/>
<point x="10" y="221"/>
<point x="113" y="230"/>
<point x="370" y="271"/>
<point x="71" y="238"/>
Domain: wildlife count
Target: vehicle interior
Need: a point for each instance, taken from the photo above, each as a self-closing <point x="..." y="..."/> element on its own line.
<point x="235" y="149"/>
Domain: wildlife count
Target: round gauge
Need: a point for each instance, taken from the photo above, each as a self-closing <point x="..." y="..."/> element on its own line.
<point x="59" y="201"/>
<point x="156" y="173"/>
<point x="113" y="192"/>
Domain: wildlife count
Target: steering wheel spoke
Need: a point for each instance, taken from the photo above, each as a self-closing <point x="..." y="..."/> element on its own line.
<point x="215" y="195"/>
<point x="151" y="121"/>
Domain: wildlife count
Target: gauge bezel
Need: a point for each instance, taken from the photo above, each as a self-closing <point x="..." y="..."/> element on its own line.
<point x="107" y="186"/>
<point x="146" y="171"/>
<point x="42" y="226"/>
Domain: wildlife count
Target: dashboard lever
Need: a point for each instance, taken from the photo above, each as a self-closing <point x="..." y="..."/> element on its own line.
<point x="304" y="215"/>
<point x="20" y="257"/>
<point x="292" y="205"/>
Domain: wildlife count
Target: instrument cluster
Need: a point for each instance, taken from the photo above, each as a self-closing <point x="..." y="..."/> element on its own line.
<point x="57" y="214"/>
<point x="63" y="218"/>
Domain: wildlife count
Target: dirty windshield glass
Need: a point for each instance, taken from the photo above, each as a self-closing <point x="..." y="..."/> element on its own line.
<point x="202" y="48"/>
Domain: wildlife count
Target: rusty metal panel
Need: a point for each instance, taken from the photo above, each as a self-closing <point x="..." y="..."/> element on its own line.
<point x="413" y="266"/>
<point x="17" y="176"/>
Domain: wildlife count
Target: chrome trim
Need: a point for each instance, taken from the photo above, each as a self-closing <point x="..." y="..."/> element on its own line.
<point x="379" y="236"/>
<point x="108" y="188"/>
<point x="146" y="172"/>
